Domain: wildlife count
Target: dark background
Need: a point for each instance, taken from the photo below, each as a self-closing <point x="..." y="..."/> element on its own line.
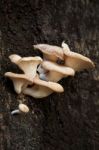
<point x="67" y="121"/>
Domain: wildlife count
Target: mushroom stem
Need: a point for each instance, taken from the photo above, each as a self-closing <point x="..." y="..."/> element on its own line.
<point x="16" y="111"/>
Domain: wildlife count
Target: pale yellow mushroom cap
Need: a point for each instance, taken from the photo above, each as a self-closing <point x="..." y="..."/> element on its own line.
<point x="76" y="61"/>
<point x="23" y="108"/>
<point x="53" y="86"/>
<point x="55" y="72"/>
<point x="14" y="58"/>
<point x="20" y="81"/>
<point x="50" y="52"/>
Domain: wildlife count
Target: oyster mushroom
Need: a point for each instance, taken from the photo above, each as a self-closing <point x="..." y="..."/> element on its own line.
<point x="27" y="64"/>
<point x="50" y="52"/>
<point x="42" y="88"/>
<point x="76" y="61"/>
<point x="20" y="81"/>
<point x="55" y="72"/>
<point x="22" y="108"/>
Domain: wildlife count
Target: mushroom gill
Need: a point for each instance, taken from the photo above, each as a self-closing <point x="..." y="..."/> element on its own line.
<point x="27" y="64"/>
<point x="20" y="81"/>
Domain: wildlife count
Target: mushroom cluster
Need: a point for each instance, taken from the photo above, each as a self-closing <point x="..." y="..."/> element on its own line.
<point x="40" y="76"/>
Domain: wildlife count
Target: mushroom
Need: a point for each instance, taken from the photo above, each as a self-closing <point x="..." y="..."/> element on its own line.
<point x="55" y="72"/>
<point x="42" y="88"/>
<point x="50" y="52"/>
<point x="76" y="61"/>
<point x="20" y="81"/>
<point x="22" y="108"/>
<point x="27" y="64"/>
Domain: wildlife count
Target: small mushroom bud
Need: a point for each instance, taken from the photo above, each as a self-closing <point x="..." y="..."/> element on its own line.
<point x="22" y="109"/>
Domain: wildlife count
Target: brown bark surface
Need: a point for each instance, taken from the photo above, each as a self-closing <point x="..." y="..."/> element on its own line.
<point x="67" y="121"/>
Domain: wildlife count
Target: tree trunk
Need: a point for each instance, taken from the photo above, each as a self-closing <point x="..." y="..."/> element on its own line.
<point x="67" y="121"/>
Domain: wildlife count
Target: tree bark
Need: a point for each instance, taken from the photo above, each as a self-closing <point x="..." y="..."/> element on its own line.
<point x="67" y="121"/>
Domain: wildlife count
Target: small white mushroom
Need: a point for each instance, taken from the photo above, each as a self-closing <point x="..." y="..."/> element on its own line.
<point x="42" y="88"/>
<point x="50" y="52"/>
<point x="27" y="64"/>
<point x="20" y="81"/>
<point x="55" y="72"/>
<point x="22" y="108"/>
<point x="76" y="61"/>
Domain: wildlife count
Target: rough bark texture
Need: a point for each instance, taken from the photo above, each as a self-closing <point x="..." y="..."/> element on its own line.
<point x="68" y="121"/>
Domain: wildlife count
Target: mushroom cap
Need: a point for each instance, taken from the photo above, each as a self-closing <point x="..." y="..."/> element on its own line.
<point x="36" y="58"/>
<point x="75" y="60"/>
<point x="14" y="58"/>
<point x="19" y="80"/>
<point x="23" y="108"/>
<point x="12" y="75"/>
<point x="27" y="64"/>
<point x="17" y="59"/>
<point x="50" y="50"/>
<point x="51" y="66"/>
<point x="38" y="91"/>
<point x="52" y="85"/>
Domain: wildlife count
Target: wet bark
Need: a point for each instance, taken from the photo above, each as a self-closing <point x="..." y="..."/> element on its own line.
<point x="67" y="121"/>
